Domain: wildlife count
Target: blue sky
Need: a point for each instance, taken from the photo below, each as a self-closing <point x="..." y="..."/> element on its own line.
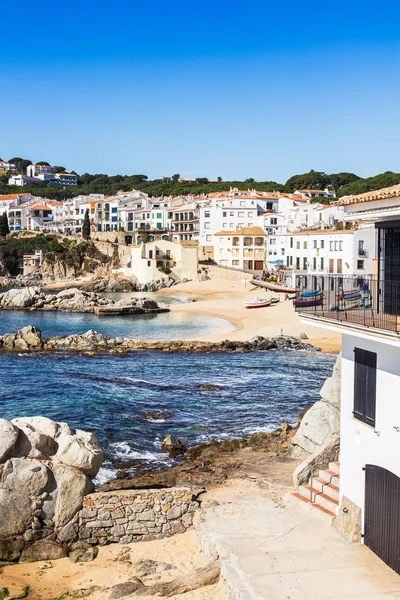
<point x="230" y="89"/>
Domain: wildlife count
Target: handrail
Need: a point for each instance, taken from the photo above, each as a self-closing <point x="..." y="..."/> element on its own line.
<point x="318" y="464"/>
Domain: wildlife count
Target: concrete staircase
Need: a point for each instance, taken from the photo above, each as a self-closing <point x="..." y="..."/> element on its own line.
<point x="323" y="498"/>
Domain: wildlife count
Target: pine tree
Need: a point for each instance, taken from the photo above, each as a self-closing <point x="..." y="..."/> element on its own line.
<point x="4" y="228"/>
<point x="86" y="226"/>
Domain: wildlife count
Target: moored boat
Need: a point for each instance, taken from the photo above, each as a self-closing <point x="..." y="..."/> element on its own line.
<point x="308" y="298"/>
<point x="258" y="303"/>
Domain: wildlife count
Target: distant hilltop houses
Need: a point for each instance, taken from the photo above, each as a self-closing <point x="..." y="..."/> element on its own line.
<point x="39" y="174"/>
<point x="246" y="230"/>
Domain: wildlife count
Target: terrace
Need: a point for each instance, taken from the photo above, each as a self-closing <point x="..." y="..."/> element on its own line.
<point x="350" y="301"/>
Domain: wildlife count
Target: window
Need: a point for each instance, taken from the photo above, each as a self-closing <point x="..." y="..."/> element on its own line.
<point x="207" y="214"/>
<point x="322" y="264"/>
<point x="224" y="225"/>
<point x="336" y="246"/>
<point x="235" y="263"/>
<point x="364" y="386"/>
<point x="297" y="262"/>
<point x="361" y="250"/>
<point x="331" y="246"/>
<point x="250" y="214"/>
<point x="305" y="245"/>
<point x="305" y="263"/>
<point x="274" y="221"/>
<point x="314" y="263"/>
<point x="207" y="226"/>
<point x="340" y="246"/>
<point x="360" y="264"/>
<point x="114" y="209"/>
<point x="322" y="244"/>
<point x="130" y="216"/>
<point x="208" y="238"/>
<point x="240" y="225"/>
<point x="242" y="203"/>
<point x="231" y="225"/>
<point x="231" y="213"/>
<point x="291" y="261"/>
<point x="315" y="243"/>
<point x="149" y="263"/>
<point x="272" y="241"/>
<point x="297" y="245"/>
<point x="291" y="242"/>
<point x="159" y="215"/>
<point x="240" y="214"/>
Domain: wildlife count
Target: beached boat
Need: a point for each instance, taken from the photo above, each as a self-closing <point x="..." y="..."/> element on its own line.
<point x="308" y="298"/>
<point x="274" y="299"/>
<point x="258" y="302"/>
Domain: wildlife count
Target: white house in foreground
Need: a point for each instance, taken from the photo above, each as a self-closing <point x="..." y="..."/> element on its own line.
<point x="163" y="258"/>
<point x="366" y="310"/>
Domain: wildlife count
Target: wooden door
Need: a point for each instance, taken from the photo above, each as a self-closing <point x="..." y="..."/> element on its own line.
<point x="331" y="265"/>
<point x="339" y="265"/>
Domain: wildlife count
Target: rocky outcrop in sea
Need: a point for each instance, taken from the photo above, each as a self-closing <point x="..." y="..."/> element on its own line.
<point x="76" y="300"/>
<point x="29" y="339"/>
<point x="122" y="283"/>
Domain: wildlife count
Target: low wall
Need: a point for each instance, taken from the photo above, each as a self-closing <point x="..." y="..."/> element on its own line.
<point x="131" y="516"/>
<point x="216" y="272"/>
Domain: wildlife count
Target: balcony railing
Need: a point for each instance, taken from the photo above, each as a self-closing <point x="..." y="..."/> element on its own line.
<point x="350" y="299"/>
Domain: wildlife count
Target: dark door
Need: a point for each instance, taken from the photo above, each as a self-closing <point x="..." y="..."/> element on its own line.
<point x="389" y="269"/>
<point x="382" y="515"/>
<point x="339" y="265"/>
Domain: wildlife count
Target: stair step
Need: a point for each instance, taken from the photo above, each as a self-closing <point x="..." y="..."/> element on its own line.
<point x="335" y="467"/>
<point x="318" y="510"/>
<point x="330" y="477"/>
<point x="327" y="488"/>
<point x="319" y="497"/>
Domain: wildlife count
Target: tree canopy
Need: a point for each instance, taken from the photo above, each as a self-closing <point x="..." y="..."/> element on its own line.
<point x="86" y="226"/>
<point x="4" y="228"/>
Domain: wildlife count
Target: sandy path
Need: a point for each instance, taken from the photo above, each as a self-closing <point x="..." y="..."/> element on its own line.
<point x="225" y="299"/>
<point x="181" y="551"/>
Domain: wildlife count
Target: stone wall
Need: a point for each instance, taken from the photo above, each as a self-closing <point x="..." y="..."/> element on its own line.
<point x="134" y="515"/>
<point x="216" y="272"/>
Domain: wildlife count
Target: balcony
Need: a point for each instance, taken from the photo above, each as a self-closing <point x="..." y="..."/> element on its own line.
<point x="350" y="301"/>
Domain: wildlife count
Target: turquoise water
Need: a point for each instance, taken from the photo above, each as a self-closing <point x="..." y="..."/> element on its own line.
<point x="164" y="326"/>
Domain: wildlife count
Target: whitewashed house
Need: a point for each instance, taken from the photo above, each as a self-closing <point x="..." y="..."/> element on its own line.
<point x="163" y="258"/>
<point x="366" y="311"/>
<point x="241" y="249"/>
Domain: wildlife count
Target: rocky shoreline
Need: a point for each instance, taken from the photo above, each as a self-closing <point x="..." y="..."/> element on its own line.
<point x="29" y="339"/>
<point x="98" y="283"/>
<point x="75" y="300"/>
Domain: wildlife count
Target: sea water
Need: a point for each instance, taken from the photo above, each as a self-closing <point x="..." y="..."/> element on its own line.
<point x="110" y="395"/>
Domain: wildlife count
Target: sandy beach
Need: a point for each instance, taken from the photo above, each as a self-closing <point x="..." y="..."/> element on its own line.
<point x="225" y="299"/>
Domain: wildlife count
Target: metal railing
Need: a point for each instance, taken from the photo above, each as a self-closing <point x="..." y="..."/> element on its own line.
<point x="360" y="300"/>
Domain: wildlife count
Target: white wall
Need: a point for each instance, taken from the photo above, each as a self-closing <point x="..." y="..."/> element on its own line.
<point x="359" y="444"/>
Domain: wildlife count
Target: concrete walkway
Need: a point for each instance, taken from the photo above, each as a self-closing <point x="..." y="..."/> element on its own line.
<point x="286" y="553"/>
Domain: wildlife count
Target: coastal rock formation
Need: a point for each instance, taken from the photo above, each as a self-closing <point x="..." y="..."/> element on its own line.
<point x="29" y="280"/>
<point x="29" y="339"/>
<point x="45" y="472"/>
<point x="321" y="424"/>
<point x="120" y="283"/>
<point x="75" y="300"/>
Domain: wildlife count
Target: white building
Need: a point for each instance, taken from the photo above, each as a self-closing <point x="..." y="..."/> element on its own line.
<point x="15" y="207"/>
<point x="370" y="409"/>
<point x="22" y="180"/>
<point x="163" y="258"/>
<point x="241" y="249"/>
<point x="7" y="167"/>
<point x="330" y="250"/>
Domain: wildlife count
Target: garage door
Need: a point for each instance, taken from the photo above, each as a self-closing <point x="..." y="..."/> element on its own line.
<point x="382" y="514"/>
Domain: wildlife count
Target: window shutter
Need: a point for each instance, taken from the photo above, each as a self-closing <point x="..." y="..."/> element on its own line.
<point x="365" y="386"/>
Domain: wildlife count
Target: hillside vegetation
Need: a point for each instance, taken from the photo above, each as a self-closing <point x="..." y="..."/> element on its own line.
<point x="344" y="184"/>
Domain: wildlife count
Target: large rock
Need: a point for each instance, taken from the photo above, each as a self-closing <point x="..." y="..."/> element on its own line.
<point x="173" y="446"/>
<point x="81" y="451"/>
<point x="41" y="424"/>
<point x="8" y="439"/>
<point x="43" y="550"/>
<point x="33" y="443"/>
<point x="25" y="474"/>
<point x="320" y="425"/>
<point x="15" y="513"/>
<point x="20" y="298"/>
<point x="10" y="549"/>
<point x="32" y="336"/>
<point x="72" y="486"/>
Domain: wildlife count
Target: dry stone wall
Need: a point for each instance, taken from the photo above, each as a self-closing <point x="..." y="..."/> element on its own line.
<point x="134" y="515"/>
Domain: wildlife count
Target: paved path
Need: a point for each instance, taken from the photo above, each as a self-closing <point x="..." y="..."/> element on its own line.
<point x="273" y="553"/>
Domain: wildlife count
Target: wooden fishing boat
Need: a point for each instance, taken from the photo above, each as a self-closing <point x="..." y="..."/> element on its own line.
<point x="274" y="299"/>
<point x="308" y="299"/>
<point x="258" y="303"/>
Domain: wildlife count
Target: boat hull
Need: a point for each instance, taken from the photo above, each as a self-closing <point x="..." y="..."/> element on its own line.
<point x="251" y="305"/>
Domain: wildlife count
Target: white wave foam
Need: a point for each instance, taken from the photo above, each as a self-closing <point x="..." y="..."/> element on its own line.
<point x="104" y="475"/>
<point x="122" y="450"/>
